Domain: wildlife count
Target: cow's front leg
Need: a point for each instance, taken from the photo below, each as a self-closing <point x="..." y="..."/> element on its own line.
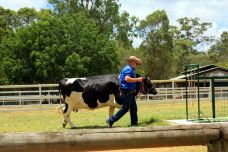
<point x="64" y="122"/>
<point x="61" y="109"/>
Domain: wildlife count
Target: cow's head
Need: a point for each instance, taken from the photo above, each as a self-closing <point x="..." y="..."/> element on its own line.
<point x="146" y="86"/>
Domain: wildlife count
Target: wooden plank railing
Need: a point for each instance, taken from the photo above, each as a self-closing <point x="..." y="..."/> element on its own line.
<point x="215" y="136"/>
<point x="41" y="92"/>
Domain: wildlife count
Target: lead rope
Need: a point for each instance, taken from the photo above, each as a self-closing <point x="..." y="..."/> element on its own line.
<point x="141" y="89"/>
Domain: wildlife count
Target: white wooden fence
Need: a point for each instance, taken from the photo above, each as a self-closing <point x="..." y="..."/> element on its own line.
<point x="25" y="94"/>
<point x="49" y="94"/>
<point x="180" y="93"/>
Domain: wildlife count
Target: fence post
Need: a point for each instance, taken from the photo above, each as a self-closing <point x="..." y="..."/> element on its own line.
<point x="40" y="94"/>
<point x="49" y="100"/>
<point x="173" y="87"/>
<point x="221" y="93"/>
<point x="20" y="97"/>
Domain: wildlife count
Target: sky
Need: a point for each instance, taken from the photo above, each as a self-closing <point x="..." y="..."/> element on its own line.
<point x="214" y="11"/>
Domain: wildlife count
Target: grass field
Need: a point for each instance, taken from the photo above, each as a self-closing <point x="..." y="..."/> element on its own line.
<point x="50" y="120"/>
<point x="47" y="119"/>
<point x="150" y="114"/>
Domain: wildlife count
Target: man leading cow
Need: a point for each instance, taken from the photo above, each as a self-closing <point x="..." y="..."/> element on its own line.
<point x="128" y="88"/>
<point x="104" y="90"/>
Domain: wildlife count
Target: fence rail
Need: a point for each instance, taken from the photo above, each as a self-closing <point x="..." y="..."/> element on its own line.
<point x="49" y="93"/>
<point x="29" y="94"/>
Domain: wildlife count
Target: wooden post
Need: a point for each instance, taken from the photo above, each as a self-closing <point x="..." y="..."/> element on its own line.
<point x="215" y="146"/>
<point x="225" y="137"/>
<point x="40" y="94"/>
<point x="222" y="144"/>
<point x="20" y="98"/>
<point x="173" y="89"/>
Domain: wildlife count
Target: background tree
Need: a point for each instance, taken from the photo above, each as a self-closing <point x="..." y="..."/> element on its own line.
<point x="75" y="40"/>
<point x="188" y="36"/>
<point x="218" y="53"/>
<point x="89" y="37"/>
<point x="26" y="16"/>
<point x="7" y="18"/>
<point x="7" y="21"/>
<point x="157" y="45"/>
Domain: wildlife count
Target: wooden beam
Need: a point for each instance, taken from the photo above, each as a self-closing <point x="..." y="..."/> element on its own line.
<point x="110" y="138"/>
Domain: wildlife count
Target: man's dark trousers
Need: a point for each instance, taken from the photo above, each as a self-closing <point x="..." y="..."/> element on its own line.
<point x="129" y="103"/>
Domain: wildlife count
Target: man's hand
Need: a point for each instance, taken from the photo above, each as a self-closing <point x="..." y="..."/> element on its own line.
<point x="139" y="79"/>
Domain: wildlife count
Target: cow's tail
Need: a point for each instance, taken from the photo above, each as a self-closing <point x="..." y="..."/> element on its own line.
<point x="62" y="101"/>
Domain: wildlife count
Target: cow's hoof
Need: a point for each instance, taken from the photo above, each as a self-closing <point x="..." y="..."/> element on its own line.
<point x="64" y="125"/>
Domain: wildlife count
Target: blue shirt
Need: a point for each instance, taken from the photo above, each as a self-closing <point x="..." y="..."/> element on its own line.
<point x="127" y="70"/>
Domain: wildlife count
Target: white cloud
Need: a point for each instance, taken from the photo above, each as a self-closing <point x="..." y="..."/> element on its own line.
<point x="214" y="11"/>
<point x="17" y="4"/>
<point x="210" y="11"/>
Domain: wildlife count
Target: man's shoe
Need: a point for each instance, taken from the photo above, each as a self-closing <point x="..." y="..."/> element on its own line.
<point x="134" y="125"/>
<point x="109" y="123"/>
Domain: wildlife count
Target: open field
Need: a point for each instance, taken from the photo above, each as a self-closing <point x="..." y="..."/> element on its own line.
<point x="50" y="120"/>
<point x="149" y="113"/>
<point x="165" y="149"/>
<point x="47" y="119"/>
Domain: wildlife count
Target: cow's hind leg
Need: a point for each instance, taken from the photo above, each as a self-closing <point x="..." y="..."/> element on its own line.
<point x="111" y="111"/>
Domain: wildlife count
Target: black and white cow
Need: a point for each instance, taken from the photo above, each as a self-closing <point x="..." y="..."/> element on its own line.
<point x="95" y="92"/>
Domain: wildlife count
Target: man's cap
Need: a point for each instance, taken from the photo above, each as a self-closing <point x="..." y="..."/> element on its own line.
<point x="133" y="58"/>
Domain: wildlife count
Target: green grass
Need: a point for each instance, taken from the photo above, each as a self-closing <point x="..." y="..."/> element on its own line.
<point x="150" y="114"/>
<point x="50" y="120"/>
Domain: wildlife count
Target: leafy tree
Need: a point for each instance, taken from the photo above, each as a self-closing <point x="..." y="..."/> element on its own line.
<point x="193" y="30"/>
<point x="120" y="27"/>
<point x="56" y="47"/>
<point x="200" y="58"/>
<point x="25" y="16"/>
<point x="7" y="20"/>
<point x="187" y="38"/>
<point x="7" y="17"/>
<point x="219" y="51"/>
<point x="157" y="45"/>
<point x="126" y="30"/>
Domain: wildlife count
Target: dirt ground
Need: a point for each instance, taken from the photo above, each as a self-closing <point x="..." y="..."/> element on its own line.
<point x="164" y="149"/>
